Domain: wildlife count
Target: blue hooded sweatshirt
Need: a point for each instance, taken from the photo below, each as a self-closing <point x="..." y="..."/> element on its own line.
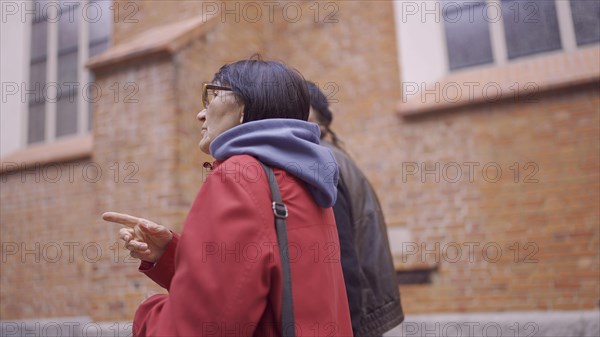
<point x="288" y="144"/>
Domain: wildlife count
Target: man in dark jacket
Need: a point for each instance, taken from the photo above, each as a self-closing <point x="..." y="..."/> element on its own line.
<point x="367" y="264"/>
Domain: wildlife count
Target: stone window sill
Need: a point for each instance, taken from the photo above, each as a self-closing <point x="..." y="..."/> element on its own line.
<point x="62" y="150"/>
<point x="521" y="81"/>
<point x="415" y="272"/>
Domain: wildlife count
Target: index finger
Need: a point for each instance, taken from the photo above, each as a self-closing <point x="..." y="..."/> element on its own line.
<point x="121" y="218"/>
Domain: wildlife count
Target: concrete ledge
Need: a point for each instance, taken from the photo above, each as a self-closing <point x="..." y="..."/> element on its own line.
<point x="63" y="150"/>
<point x="505" y="324"/>
<point x="491" y="324"/>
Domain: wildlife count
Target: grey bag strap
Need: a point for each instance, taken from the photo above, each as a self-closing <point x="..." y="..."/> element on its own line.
<point x="281" y="213"/>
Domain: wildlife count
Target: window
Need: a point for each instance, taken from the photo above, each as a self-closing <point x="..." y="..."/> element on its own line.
<point x="586" y="19"/>
<point x="438" y="37"/>
<point x="66" y="109"/>
<point x="468" y="37"/>
<point x="36" y="130"/>
<point x="63" y="35"/>
<point x="530" y="27"/>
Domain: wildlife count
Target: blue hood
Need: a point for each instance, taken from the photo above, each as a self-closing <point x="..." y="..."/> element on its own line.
<point x="288" y="144"/>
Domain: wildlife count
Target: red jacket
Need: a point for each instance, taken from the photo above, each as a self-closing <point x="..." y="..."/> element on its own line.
<point x="224" y="273"/>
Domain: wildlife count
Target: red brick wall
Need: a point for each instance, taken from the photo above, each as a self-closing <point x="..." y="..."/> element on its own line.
<point x="132" y="17"/>
<point x="138" y="134"/>
<point x="548" y="214"/>
<point x="46" y="237"/>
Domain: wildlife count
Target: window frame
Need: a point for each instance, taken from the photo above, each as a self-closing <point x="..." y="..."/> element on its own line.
<point x="52" y="57"/>
<point x="438" y="65"/>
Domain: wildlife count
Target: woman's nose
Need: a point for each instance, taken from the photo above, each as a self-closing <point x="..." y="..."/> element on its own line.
<point x="201" y="116"/>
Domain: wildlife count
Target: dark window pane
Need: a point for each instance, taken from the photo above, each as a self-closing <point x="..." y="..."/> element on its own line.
<point x="98" y="48"/>
<point x="66" y="117"/>
<point x="91" y="99"/>
<point x="66" y="109"/>
<point x="69" y="5"/>
<point x="36" y="123"/>
<point x="67" y="29"/>
<point x="99" y="16"/>
<point x="34" y="93"/>
<point x="37" y="81"/>
<point x="531" y="27"/>
<point x="467" y="34"/>
<point x="586" y="19"/>
<point x="41" y="9"/>
<point x="90" y="115"/>
<point x="67" y="72"/>
<point x="39" y="38"/>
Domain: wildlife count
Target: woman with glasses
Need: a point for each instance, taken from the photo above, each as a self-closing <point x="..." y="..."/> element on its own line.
<point x="224" y="272"/>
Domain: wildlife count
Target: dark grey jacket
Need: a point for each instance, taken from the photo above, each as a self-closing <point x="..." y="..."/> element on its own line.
<point x="368" y="268"/>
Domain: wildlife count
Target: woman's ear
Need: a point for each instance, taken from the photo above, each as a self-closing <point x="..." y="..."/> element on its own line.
<point x="241" y="112"/>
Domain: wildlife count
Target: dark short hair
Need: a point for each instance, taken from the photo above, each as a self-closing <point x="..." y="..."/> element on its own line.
<point x="319" y="103"/>
<point x="268" y="89"/>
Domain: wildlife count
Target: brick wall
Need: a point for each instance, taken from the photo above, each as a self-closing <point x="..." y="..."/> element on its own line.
<point x="45" y="229"/>
<point x="135" y="16"/>
<point x="540" y="226"/>
<point x="138" y="134"/>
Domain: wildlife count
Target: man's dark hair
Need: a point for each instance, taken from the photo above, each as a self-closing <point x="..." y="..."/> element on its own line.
<point x="268" y="89"/>
<point x="319" y="102"/>
<point x="320" y="105"/>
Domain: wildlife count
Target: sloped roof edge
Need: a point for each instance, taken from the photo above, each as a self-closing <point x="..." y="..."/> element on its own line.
<point x="165" y="39"/>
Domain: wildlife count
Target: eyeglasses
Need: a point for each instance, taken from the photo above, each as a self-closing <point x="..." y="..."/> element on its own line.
<point x="209" y="92"/>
